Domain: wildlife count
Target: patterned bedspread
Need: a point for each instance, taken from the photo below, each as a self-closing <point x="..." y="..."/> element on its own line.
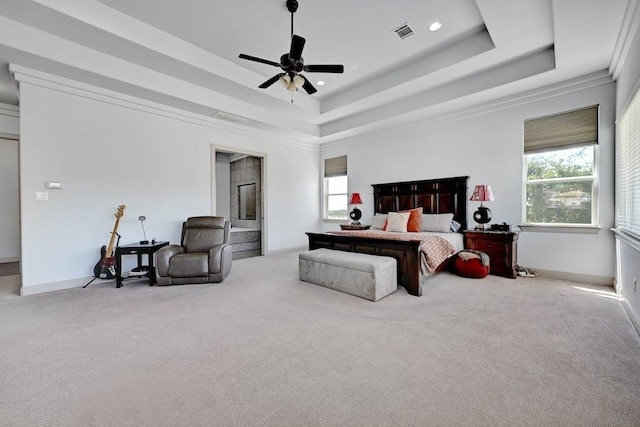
<point x="433" y="249"/>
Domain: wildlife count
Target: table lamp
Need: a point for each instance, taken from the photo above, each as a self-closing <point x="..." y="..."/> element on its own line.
<point x="356" y="213"/>
<point x="482" y="193"/>
<point x="142" y="218"/>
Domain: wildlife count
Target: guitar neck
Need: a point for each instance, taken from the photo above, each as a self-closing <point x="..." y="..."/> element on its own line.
<point x="112" y="241"/>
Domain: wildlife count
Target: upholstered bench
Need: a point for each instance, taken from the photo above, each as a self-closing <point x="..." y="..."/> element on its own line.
<point x="367" y="276"/>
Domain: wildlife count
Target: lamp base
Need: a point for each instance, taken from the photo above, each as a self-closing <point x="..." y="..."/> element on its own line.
<point x="482" y="216"/>
<point x="355" y="215"/>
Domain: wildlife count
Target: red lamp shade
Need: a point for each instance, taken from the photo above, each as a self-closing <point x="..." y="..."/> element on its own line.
<point x="355" y="199"/>
<point x="482" y="193"/>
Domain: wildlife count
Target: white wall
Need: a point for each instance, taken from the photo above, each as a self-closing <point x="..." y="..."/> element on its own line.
<point x="108" y="152"/>
<point x="629" y="77"/>
<point x="488" y="148"/>
<point x="629" y="249"/>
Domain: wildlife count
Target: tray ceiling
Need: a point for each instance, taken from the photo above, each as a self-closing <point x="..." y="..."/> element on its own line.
<point x="185" y="54"/>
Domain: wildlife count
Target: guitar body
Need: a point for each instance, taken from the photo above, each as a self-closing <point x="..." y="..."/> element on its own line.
<point x="106" y="267"/>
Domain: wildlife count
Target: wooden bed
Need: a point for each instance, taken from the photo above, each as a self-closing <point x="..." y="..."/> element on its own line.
<point x="445" y="195"/>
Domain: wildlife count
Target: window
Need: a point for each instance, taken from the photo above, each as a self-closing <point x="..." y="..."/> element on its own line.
<point x="335" y="188"/>
<point x="628" y="169"/>
<point x="561" y="178"/>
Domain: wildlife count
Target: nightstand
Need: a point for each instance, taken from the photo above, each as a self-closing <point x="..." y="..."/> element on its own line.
<point x="354" y="227"/>
<point x="501" y="246"/>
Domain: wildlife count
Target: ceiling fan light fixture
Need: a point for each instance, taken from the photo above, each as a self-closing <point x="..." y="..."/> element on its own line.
<point x="298" y="81"/>
<point x="285" y="80"/>
<point x="292" y="84"/>
<point x="292" y="63"/>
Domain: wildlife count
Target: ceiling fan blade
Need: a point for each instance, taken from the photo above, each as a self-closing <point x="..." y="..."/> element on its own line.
<point x="256" y="59"/>
<point x="324" y="68"/>
<point x="308" y="86"/>
<point x="271" y="81"/>
<point x="297" y="44"/>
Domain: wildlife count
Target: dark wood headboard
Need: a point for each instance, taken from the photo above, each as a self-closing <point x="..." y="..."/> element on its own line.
<point x="444" y="195"/>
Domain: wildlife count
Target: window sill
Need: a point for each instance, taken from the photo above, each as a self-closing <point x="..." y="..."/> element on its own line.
<point x="335" y="221"/>
<point x="628" y="238"/>
<point x="577" y="229"/>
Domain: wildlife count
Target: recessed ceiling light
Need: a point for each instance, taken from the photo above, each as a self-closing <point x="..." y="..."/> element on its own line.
<point x="435" y="26"/>
<point x="320" y="83"/>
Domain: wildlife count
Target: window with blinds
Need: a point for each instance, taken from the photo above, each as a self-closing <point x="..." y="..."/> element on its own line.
<point x="561" y="172"/>
<point x="628" y="169"/>
<point x="335" y="188"/>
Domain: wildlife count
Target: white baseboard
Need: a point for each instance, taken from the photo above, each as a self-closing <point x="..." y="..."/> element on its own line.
<point x="576" y="277"/>
<point x="633" y="315"/>
<point x="58" y="286"/>
<point x="288" y="250"/>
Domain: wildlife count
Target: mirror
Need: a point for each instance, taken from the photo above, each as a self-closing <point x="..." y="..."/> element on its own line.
<point x="247" y="201"/>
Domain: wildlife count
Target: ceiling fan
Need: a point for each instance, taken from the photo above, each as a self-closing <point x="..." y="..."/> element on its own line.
<point x="292" y="63"/>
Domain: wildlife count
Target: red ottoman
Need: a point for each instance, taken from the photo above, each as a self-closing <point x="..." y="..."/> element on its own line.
<point x="470" y="263"/>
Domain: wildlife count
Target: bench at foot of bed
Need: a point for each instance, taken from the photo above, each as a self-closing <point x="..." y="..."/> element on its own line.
<point x="367" y="276"/>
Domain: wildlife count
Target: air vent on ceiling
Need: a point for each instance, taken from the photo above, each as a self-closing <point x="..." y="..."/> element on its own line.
<point x="403" y="31"/>
<point x="221" y="115"/>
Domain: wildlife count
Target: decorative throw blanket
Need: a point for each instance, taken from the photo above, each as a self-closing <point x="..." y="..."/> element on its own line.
<point x="433" y="249"/>
<point x="468" y="254"/>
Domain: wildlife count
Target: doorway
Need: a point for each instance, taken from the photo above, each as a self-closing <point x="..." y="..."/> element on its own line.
<point x="239" y="197"/>
<point x="9" y="215"/>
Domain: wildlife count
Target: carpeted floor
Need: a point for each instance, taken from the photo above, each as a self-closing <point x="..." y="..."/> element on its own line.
<point x="264" y="349"/>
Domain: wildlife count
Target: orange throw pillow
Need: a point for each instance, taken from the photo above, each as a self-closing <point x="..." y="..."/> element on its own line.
<point x="415" y="220"/>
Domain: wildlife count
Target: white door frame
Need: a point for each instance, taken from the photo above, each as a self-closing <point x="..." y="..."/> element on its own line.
<point x="16" y="139"/>
<point x="263" y="187"/>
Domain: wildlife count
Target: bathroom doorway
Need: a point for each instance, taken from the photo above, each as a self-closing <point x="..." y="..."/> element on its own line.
<point x="239" y="197"/>
<point x="10" y="278"/>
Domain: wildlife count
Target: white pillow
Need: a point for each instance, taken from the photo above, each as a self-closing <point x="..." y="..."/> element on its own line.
<point x="379" y="220"/>
<point x="397" y="221"/>
<point x="439" y="223"/>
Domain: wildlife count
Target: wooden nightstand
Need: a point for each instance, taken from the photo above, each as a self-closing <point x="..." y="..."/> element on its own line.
<point x="501" y="246"/>
<point x="354" y="227"/>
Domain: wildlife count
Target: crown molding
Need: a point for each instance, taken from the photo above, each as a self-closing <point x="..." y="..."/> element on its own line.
<point x="9" y="110"/>
<point x="628" y="30"/>
<point x="587" y="81"/>
<point x="84" y="90"/>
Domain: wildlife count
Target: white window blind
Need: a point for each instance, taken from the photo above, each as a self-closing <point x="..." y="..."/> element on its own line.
<point x="628" y="169"/>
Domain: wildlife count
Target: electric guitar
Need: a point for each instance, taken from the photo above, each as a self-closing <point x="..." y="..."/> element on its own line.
<point x="106" y="267"/>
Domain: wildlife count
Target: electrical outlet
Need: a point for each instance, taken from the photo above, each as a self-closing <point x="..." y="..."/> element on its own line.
<point x="42" y="195"/>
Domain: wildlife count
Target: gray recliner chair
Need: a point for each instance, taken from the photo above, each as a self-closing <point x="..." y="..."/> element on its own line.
<point x="203" y="256"/>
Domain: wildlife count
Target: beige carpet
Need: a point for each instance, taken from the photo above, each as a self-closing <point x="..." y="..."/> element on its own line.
<point x="264" y="349"/>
